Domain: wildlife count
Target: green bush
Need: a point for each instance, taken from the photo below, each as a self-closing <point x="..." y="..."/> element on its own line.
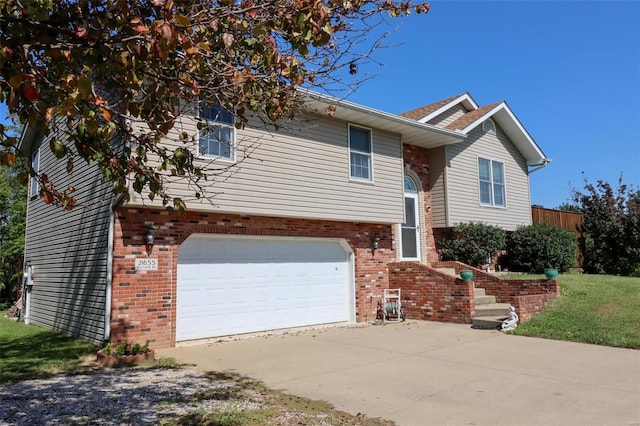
<point x="536" y="247"/>
<point x="473" y="243"/>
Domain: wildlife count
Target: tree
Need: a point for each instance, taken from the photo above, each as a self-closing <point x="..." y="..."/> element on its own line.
<point x="91" y="68"/>
<point x="13" y="206"/>
<point x="569" y="207"/>
<point x="612" y="227"/>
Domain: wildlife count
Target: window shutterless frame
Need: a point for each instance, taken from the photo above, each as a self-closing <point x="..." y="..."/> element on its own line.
<point x="35" y="165"/>
<point x="491" y="183"/>
<point x="410" y="229"/>
<point x="217" y="138"/>
<point x="360" y="153"/>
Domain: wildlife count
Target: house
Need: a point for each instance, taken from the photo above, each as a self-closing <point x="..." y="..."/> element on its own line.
<point x="302" y="229"/>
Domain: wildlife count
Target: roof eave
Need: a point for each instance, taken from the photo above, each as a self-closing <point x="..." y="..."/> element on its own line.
<point x="25" y="142"/>
<point x="516" y="132"/>
<point x="464" y="99"/>
<point x="411" y="131"/>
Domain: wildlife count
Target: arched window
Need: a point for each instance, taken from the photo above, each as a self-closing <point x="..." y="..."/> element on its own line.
<point x="488" y="126"/>
<point x="409" y="185"/>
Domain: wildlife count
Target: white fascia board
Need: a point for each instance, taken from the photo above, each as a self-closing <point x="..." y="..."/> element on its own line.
<point x="482" y="118"/>
<point x="411" y="130"/>
<point x="508" y="121"/>
<point x="465" y="99"/>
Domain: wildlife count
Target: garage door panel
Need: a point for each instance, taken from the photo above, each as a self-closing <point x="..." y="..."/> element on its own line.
<point x="233" y="286"/>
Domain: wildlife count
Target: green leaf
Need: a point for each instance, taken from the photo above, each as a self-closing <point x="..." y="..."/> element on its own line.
<point x="182" y="20"/>
<point x="303" y="50"/>
<point x="84" y="85"/>
<point x="57" y="148"/>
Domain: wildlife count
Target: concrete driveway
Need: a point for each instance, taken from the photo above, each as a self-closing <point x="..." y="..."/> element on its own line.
<point x="426" y="373"/>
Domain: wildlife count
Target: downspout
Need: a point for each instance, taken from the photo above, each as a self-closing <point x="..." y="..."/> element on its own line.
<point x="115" y="202"/>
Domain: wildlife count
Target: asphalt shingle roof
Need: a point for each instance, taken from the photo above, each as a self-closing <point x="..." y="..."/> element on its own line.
<point x="471" y="116"/>
<point x="418" y="113"/>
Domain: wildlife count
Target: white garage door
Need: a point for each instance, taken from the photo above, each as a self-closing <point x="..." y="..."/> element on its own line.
<point x="230" y="285"/>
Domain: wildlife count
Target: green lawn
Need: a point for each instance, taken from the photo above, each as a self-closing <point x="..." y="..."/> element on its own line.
<point x="599" y="309"/>
<point x="27" y="351"/>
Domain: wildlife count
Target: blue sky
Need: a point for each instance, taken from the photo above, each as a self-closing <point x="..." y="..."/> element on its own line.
<point x="570" y="71"/>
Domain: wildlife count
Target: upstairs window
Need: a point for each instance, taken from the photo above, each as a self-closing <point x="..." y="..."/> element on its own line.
<point x="35" y="165"/>
<point x="491" y="182"/>
<point x="360" y="153"/>
<point x="217" y="138"/>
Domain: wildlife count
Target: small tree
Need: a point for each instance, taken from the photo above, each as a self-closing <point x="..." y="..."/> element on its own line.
<point x="473" y="243"/>
<point x="536" y="247"/>
<point x="13" y="200"/>
<point x="612" y="226"/>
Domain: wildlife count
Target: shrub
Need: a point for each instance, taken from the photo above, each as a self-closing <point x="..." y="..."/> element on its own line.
<point x="126" y="348"/>
<point x="536" y="247"/>
<point x="473" y="243"/>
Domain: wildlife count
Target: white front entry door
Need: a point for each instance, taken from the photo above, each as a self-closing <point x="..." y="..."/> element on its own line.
<point x="410" y="230"/>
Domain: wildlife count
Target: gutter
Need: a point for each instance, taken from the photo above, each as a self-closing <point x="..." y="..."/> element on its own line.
<point x="540" y="166"/>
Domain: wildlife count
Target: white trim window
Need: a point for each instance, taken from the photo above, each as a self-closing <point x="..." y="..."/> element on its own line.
<point x="492" y="183"/>
<point x="217" y="138"/>
<point x="34" y="187"/>
<point x="360" y="148"/>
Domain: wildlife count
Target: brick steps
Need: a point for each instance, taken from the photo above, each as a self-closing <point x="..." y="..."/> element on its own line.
<point x="489" y="314"/>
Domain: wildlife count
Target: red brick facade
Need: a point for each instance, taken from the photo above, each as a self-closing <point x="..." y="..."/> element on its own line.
<point x="143" y="302"/>
<point x="418" y="161"/>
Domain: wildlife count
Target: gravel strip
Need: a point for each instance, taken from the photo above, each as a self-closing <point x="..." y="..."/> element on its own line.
<point x="115" y="397"/>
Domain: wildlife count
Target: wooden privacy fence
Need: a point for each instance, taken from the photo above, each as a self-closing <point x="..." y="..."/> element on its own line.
<point x="569" y="221"/>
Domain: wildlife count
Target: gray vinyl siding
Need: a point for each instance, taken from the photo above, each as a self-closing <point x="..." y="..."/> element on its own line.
<point x="301" y="171"/>
<point x="437" y="180"/>
<point x="69" y="250"/>
<point x="449" y="116"/>
<point x="462" y="181"/>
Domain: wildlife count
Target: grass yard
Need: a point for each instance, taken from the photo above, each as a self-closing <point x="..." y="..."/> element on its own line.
<point x="598" y="309"/>
<point x="30" y="352"/>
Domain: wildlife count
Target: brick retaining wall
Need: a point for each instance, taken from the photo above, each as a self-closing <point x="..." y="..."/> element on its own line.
<point x="430" y="295"/>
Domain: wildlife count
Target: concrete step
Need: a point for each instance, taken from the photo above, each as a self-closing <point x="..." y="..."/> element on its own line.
<point x="477" y="292"/>
<point x="448" y="271"/>
<point x="493" y="309"/>
<point x="489" y="322"/>
<point x="484" y="300"/>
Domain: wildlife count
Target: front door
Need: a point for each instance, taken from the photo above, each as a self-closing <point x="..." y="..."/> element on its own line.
<point x="409" y="234"/>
